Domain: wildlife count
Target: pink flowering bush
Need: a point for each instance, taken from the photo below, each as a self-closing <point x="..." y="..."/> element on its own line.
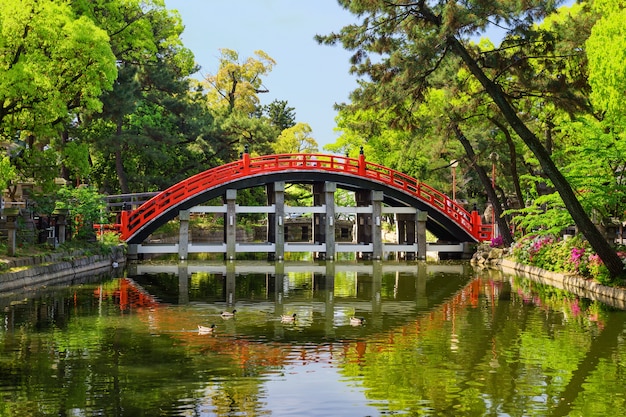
<point x="497" y="242"/>
<point x="532" y="249"/>
<point x="572" y="255"/>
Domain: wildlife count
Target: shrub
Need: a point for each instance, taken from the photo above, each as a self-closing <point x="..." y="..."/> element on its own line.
<point x="572" y="255"/>
<point x="497" y="242"/>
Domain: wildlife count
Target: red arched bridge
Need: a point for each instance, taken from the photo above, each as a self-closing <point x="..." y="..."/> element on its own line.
<point x="446" y="219"/>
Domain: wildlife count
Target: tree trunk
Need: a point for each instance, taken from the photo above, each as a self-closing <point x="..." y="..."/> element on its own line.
<point x="503" y="225"/>
<point x="65" y="173"/>
<point x="582" y="220"/>
<point x="513" y="159"/>
<point x="119" y="161"/>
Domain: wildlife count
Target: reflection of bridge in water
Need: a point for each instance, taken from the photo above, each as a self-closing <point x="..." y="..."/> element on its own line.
<point x="291" y="267"/>
<point x="377" y="290"/>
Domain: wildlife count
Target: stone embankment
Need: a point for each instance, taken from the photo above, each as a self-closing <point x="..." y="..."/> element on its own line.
<point x="29" y="272"/>
<point x="488" y="257"/>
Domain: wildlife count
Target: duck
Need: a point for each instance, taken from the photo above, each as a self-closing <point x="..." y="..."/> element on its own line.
<point x="228" y="314"/>
<point x="287" y="318"/>
<point x="357" y="321"/>
<point x="206" y="329"/>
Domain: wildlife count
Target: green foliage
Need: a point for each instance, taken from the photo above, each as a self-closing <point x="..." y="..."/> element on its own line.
<point x="546" y="214"/>
<point x="76" y="156"/>
<point x="7" y="172"/>
<point x="572" y="255"/>
<point x="151" y="132"/>
<point x="237" y="84"/>
<point x="298" y="195"/>
<point x="295" y="139"/>
<point x="280" y="114"/>
<point x="86" y="207"/>
<point x="606" y="50"/>
<point x="52" y="61"/>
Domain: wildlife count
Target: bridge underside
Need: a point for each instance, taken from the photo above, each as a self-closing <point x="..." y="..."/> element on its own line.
<point x="438" y="223"/>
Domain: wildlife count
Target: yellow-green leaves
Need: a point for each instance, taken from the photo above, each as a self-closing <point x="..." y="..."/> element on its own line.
<point x="606" y="50"/>
<point x="50" y="61"/>
<point x="296" y="139"/>
<point x="236" y="84"/>
<point x="7" y="172"/>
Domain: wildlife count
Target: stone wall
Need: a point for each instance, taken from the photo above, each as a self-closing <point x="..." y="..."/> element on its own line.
<point x="58" y="267"/>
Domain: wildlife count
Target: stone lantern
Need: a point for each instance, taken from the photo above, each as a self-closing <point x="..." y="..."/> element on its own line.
<point x="61" y="214"/>
<point x="11" y="214"/>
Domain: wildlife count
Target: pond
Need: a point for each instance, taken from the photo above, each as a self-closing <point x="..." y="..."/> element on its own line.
<point x="436" y="339"/>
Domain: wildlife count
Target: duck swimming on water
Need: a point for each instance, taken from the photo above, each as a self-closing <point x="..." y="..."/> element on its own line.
<point x="286" y="318"/>
<point x="228" y="314"/>
<point x="206" y="329"/>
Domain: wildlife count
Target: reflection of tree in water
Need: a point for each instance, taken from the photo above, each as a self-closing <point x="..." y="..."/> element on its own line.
<point x="241" y="397"/>
<point x="495" y="355"/>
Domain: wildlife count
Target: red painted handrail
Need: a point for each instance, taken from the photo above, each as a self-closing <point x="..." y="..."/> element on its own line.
<point x="132" y="221"/>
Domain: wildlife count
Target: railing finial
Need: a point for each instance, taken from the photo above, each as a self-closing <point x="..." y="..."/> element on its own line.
<point x="361" y="162"/>
<point x="245" y="159"/>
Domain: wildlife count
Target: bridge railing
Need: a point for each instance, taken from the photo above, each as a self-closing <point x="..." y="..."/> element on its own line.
<point x="119" y="202"/>
<point x="424" y="192"/>
<point x="280" y="162"/>
<point x="133" y="220"/>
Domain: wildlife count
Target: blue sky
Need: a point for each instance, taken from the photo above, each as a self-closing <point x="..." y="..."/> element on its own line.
<point x="310" y="77"/>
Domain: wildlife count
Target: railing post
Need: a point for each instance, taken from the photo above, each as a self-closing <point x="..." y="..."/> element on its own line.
<point x="361" y="162"/>
<point x="123" y="226"/>
<point x="246" y="160"/>
<point x="476" y="222"/>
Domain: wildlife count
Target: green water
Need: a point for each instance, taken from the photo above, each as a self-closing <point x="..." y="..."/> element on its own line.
<point x="438" y="340"/>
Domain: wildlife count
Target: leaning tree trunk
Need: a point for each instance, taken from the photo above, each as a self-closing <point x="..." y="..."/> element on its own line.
<point x="503" y="225"/>
<point x="585" y="225"/>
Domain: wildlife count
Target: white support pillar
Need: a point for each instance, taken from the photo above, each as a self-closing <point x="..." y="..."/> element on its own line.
<point x="329" y="197"/>
<point x="132" y="253"/>
<point x="230" y="223"/>
<point x="279" y="219"/>
<point x="422" y="216"/>
<point x="377" y="235"/>
<point x="183" y="234"/>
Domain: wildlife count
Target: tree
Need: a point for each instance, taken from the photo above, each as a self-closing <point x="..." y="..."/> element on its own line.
<point x="53" y="64"/>
<point x="280" y="114"/>
<point x="153" y="124"/>
<point x="52" y="61"/>
<point x="7" y="172"/>
<point x="296" y="139"/>
<point x="236" y="85"/>
<point x="411" y="41"/>
<point x="606" y="49"/>
<point x="232" y="95"/>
